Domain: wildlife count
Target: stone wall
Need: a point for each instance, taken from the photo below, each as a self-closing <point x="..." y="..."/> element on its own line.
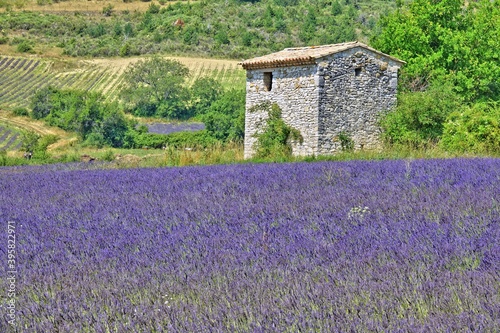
<point x="295" y="91"/>
<point x="356" y="87"/>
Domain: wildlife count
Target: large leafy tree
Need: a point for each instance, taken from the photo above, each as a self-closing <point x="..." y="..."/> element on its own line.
<point x="156" y="87"/>
<point x="446" y="38"/>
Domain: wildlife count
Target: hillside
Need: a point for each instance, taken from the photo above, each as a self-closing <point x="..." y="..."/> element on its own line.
<point x="230" y="29"/>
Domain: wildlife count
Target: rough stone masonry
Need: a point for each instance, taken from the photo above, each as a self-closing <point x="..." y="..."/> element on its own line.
<point x="323" y="91"/>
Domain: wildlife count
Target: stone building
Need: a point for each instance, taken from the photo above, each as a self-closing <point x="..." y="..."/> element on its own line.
<point x="323" y="91"/>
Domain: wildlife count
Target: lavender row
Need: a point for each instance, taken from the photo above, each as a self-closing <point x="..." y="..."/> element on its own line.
<point x="399" y="246"/>
<point x="160" y="128"/>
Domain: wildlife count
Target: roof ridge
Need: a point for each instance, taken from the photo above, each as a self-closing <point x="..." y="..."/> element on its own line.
<point x="321" y="46"/>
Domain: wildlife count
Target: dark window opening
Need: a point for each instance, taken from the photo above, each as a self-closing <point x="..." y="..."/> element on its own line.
<point x="268" y="80"/>
<point x="357" y="71"/>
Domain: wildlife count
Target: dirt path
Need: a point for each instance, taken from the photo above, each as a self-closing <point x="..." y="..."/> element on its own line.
<point x="38" y="127"/>
<point x="29" y="124"/>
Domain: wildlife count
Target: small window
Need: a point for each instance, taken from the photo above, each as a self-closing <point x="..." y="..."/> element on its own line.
<point x="268" y="80"/>
<point x="357" y="71"/>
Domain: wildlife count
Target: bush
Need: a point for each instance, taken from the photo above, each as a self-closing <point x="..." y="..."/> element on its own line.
<point x="45" y="141"/>
<point x="346" y="142"/>
<point x="475" y="130"/>
<point x="20" y="112"/>
<point x="24" y="47"/>
<point x="225" y="119"/>
<point x="419" y="116"/>
<point x="199" y="139"/>
<point x="108" y="10"/>
<point x="153" y="9"/>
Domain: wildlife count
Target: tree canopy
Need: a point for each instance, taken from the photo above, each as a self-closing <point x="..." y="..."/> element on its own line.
<point x="156" y="87"/>
<point x="446" y="38"/>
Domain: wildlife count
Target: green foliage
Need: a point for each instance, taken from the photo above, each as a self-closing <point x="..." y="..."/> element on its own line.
<point x="155" y="87"/>
<point x="45" y="141"/>
<point x="41" y="102"/>
<point x="30" y="140"/>
<point x="204" y="92"/>
<point x="216" y="28"/>
<point x="225" y="119"/>
<point x="474" y="130"/>
<point x="446" y="39"/>
<point x="153" y="9"/>
<point x="275" y="138"/>
<point x="20" y="112"/>
<point x="3" y="157"/>
<point x="108" y="10"/>
<point x="24" y="47"/>
<point x="108" y="156"/>
<point x="346" y="142"/>
<point x="199" y="139"/>
<point x="419" y="116"/>
<point x="97" y="123"/>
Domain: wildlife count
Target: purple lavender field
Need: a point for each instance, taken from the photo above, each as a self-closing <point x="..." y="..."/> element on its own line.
<point x="380" y="246"/>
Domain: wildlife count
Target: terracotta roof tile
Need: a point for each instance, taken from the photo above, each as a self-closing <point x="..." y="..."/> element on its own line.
<point x="297" y="56"/>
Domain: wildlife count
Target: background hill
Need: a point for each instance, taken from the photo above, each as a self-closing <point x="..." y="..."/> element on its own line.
<point x="231" y="29"/>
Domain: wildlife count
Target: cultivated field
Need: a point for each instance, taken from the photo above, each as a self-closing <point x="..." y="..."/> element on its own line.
<point x="21" y="77"/>
<point x="388" y="246"/>
<point x="10" y="138"/>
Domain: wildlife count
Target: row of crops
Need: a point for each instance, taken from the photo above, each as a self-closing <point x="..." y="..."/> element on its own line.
<point x="230" y="75"/>
<point x="20" y="77"/>
<point x="359" y="246"/>
<point x="10" y="139"/>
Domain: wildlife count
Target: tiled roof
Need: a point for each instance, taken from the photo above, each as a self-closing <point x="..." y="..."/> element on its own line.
<point x="297" y="56"/>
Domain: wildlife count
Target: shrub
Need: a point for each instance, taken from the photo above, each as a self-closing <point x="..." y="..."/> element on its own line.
<point x="108" y="10"/>
<point x="476" y="130"/>
<point x="346" y="142"/>
<point x="225" y="119"/>
<point x="20" y="112"/>
<point x="419" y="116"/>
<point x="45" y="141"/>
<point x="153" y="9"/>
<point x="24" y="47"/>
<point x="30" y="141"/>
<point x="199" y="139"/>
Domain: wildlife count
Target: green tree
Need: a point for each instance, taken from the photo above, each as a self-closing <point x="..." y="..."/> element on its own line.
<point x="41" y="103"/>
<point x="114" y="126"/>
<point x="225" y="119"/>
<point x="158" y="85"/>
<point x="204" y="92"/>
<point x="446" y="39"/>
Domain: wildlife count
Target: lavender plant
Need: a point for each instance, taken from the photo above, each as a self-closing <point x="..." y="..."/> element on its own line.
<point x="319" y="247"/>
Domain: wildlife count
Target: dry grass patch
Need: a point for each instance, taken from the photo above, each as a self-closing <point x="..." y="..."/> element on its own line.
<point x="81" y="5"/>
